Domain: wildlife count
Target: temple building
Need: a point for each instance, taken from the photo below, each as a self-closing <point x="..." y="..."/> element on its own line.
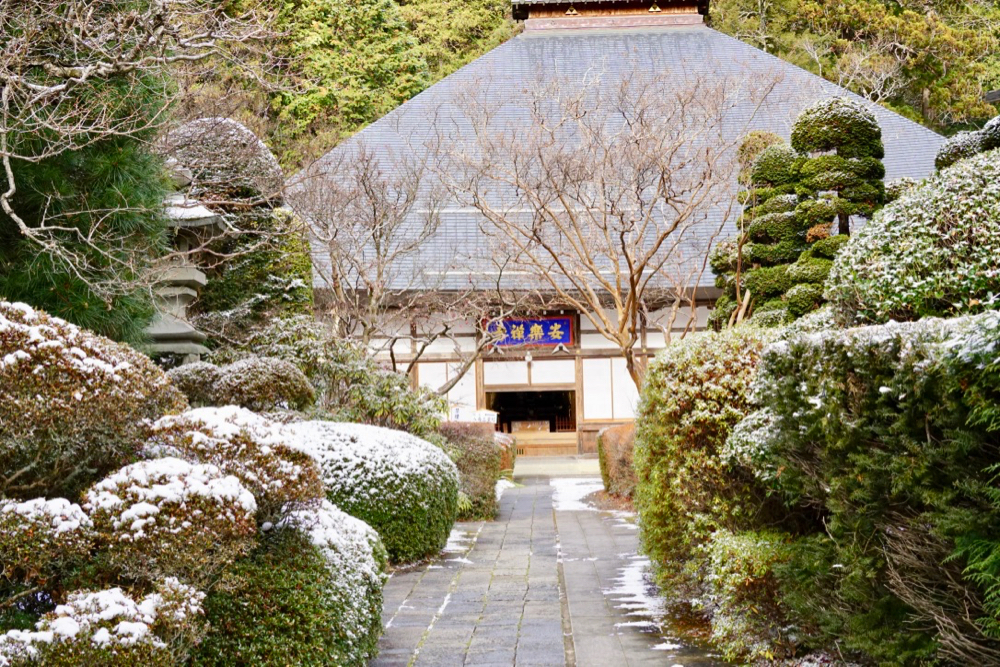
<point x="552" y="378"/>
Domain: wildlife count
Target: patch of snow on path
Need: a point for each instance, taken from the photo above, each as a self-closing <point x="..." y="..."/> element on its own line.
<point x="503" y="485"/>
<point x="569" y="492"/>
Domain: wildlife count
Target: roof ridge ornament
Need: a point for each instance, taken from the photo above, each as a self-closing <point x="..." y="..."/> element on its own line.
<point x="655" y="8"/>
<point x="571" y="11"/>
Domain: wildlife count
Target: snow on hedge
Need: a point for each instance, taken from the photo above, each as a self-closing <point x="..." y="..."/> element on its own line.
<point x="109" y="627"/>
<point x="404" y="487"/>
<point x="243" y="444"/>
<point x="356" y="560"/>
<point x="72" y="404"/>
<point x="194" y="518"/>
<point x="39" y="537"/>
<point x="931" y="252"/>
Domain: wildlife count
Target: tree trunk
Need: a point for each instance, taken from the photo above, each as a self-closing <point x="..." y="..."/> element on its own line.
<point x="845" y="223"/>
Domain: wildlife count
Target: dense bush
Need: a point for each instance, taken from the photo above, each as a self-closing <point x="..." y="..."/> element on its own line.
<point x="931" y="252"/>
<point x="695" y="391"/>
<point x="168" y="517"/>
<point x="310" y="594"/>
<point x="884" y="441"/>
<point x="478" y="457"/>
<point x="263" y="384"/>
<point x="244" y="445"/>
<point x="404" y="487"/>
<point x="615" y="446"/>
<point x="350" y="386"/>
<point x="40" y="540"/>
<point x="73" y="405"/>
<point x="966" y="144"/>
<point x="197" y="382"/>
<point x="109" y="627"/>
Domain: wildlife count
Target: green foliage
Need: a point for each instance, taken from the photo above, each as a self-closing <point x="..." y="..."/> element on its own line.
<point x="749" y="619"/>
<point x="883" y="441"/>
<point x="269" y="275"/>
<point x="829" y="247"/>
<point x="809" y="269"/>
<point x="110" y="191"/>
<point x="350" y="386"/>
<point x="803" y="298"/>
<point x="354" y="61"/>
<point x="777" y="165"/>
<point x="402" y="486"/>
<point x="477" y="455"/>
<point x="768" y="281"/>
<point x="929" y="61"/>
<point x="931" y="252"/>
<point x="288" y="604"/>
<point x="838" y="124"/>
<point x="263" y="384"/>
<point x="966" y="144"/>
<point x="73" y="405"/>
<point x="750" y="149"/>
<point x="694" y="392"/>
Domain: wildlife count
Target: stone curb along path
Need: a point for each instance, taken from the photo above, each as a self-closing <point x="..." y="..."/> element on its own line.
<point x="551" y="582"/>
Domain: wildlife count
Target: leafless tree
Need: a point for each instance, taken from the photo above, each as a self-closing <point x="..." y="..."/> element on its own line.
<point x="374" y="214"/>
<point x="611" y="194"/>
<point x="58" y="61"/>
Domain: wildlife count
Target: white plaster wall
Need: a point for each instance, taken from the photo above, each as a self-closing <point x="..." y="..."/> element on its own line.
<point x="625" y="397"/>
<point x="505" y="372"/>
<point x="561" y="371"/>
<point x="597" y="397"/>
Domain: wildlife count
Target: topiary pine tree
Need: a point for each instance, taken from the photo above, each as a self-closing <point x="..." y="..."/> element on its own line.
<point x="844" y="143"/>
<point x="784" y="251"/>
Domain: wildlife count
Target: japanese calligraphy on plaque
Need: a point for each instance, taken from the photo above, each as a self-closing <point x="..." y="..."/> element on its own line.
<point x="534" y="331"/>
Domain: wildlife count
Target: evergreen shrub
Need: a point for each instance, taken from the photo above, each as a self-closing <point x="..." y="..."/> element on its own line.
<point x="966" y="144"/>
<point x="311" y="593"/>
<point x="615" y="447"/>
<point x="197" y="382"/>
<point x="74" y="406"/>
<point x="932" y="252"/>
<point x="263" y="384"/>
<point x="478" y="457"/>
<point x="109" y="627"/>
<point x="170" y="518"/>
<point x="883" y="440"/>
<point x="350" y="386"/>
<point x="403" y="487"/>
<point x="242" y="444"/>
<point x="694" y="393"/>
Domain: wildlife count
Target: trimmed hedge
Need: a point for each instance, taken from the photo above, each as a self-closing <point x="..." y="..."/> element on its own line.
<point x="615" y="445"/>
<point x="479" y="458"/>
<point x="73" y="405"/>
<point x="404" y="487"/>
<point x="932" y="252"/>
<point x="695" y="391"/>
<point x="310" y="594"/>
<point x="884" y="441"/>
<point x="264" y="384"/>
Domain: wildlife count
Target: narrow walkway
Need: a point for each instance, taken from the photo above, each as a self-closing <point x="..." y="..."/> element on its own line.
<point x="550" y="582"/>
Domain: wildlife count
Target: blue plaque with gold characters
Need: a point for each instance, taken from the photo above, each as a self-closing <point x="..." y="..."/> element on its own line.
<point x="549" y="331"/>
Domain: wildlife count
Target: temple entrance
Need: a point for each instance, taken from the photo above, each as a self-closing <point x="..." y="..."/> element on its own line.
<point x="542" y="422"/>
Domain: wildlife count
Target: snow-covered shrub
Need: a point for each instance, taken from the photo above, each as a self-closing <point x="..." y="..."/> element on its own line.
<point x="840" y="124"/>
<point x="41" y="539"/>
<point x="247" y="446"/>
<point x="350" y="386"/>
<point x="169" y="517"/>
<point x="966" y="144"/>
<point x="111" y="628"/>
<point x="883" y="441"/>
<point x="895" y="188"/>
<point x="73" y="405"/>
<point x="743" y="598"/>
<point x="310" y="594"/>
<point x="478" y="456"/>
<point x="264" y="384"/>
<point x="197" y="382"/>
<point x="615" y="451"/>
<point x="931" y="252"/>
<point x="227" y="160"/>
<point x="695" y="392"/>
<point x="403" y="487"/>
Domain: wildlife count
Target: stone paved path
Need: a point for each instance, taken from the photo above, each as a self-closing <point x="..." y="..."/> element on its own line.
<point x="538" y="586"/>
